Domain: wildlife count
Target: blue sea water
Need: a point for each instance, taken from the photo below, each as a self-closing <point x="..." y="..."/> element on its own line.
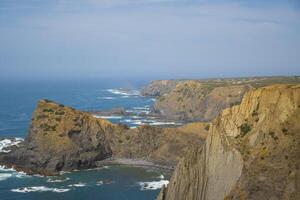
<point x="18" y="100"/>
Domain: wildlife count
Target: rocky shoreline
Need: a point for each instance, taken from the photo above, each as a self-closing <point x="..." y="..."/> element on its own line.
<point x="249" y="151"/>
<point x="61" y="138"/>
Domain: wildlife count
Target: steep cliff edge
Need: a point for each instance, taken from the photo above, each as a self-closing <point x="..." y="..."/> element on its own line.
<point x="251" y="152"/>
<point x="62" y="138"/>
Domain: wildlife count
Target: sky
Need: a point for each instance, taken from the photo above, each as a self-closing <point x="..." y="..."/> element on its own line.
<point x="155" y="39"/>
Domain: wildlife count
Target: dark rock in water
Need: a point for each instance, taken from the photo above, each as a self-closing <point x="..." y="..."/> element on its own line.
<point x="62" y="138"/>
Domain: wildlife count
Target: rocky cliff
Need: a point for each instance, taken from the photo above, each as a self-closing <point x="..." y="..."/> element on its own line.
<point x="194" y="100"/>
<point x="159" y="88"/>
<point x="251" y="152"/>
<point x="62" y="138"/>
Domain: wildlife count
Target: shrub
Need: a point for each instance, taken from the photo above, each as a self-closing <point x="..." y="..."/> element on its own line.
<point x="254" y="113"/>
<point x="207" y="127"/>
<point x="284" y="130"/>
<point x="48" y="110"/>
<point x="272" y="134"/>
<point x="59" y="112"/>
<point x="245" y="128"/>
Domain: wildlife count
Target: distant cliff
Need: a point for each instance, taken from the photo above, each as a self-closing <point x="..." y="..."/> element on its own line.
<point x="159" y="88"/>
<point x="62" y="138"/>
<point x="251" y="152"/>
<point x="193" y="100"/>
<point x="203" y="100"/>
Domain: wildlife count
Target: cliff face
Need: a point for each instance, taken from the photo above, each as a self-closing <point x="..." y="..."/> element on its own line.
<point x="62" y="138"/>
<point x="193" y="100"/>
<point x="159" y="145"/>
<point x="251" y="152"/>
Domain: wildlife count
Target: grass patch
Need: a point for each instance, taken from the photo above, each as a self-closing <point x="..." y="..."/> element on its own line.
<point x="48" y="110"/>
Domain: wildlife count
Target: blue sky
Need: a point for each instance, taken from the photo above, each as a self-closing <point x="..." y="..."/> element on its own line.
<point x="48" y="39"/>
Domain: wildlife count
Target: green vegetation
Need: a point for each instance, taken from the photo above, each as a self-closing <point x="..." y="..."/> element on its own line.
<point x="59" y="112"/>
<point x="284" y="130"/>
<point x="47" y="127"/>
<point x="245" y="128"/>
<point x="48" y="110"/>
<point x="272" y="134"/>
<point x="207" y="127"/>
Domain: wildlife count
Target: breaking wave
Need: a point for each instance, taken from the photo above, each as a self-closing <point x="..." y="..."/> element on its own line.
<point x="153" y="185"/>
<point x="78" y="185"/>
<point x="108" y="117"/>
<point x="57" y="180"/>
<point x="8" y="143"/>
<point x="106" y="98"/>
<point x="4" y="176"/>
<point x="39" y="189"/>
<point x="124" y="92"/>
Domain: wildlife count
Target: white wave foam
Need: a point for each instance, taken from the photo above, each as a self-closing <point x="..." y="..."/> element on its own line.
<point x="161" y="177"/>
<point x="106" y="98"/>
<point x="13" y="173"/>
<point x="8" y="143"/>
<point x="141" y="108"/>
<point x="78" y="185"/>
<point x="63" y="172"/>
<point x="5" y="169"/>
<point x="39" y="189"/>
<point x="138" y="122"/>
<point x="163" y="123"/>
<point x="57" y="180"/>
<point x="126" y="120"/>
<point x="4" y="176"/>
<point x="153" y="185"/>
<point x="124" y="92"/>
<point x="136" y="117"/>
<point x="108" y="117"/>
<point x="21" y="175"/>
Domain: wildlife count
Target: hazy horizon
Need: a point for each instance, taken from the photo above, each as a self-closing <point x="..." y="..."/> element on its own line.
<point x="148" y="39"/>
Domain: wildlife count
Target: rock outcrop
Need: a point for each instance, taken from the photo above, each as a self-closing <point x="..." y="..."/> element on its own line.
<point x="62" y="138"/>
<point x="251" y="152"/>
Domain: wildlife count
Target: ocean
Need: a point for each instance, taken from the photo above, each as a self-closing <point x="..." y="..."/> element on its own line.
<point x="17" y="102"/>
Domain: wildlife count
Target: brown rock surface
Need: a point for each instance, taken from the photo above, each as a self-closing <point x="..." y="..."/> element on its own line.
<point x="159" y="87"/>
<point x="62" y="138"/>
<point x="193" y="100"/>
<point x="252" y="152"/>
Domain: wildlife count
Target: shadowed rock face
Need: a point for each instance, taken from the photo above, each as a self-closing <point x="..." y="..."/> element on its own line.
<point x="251" y="152"/>
<point x="62" y="138"/>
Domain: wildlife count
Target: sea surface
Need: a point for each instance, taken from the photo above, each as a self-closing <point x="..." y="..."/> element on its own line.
<point x="17" y="102"/>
